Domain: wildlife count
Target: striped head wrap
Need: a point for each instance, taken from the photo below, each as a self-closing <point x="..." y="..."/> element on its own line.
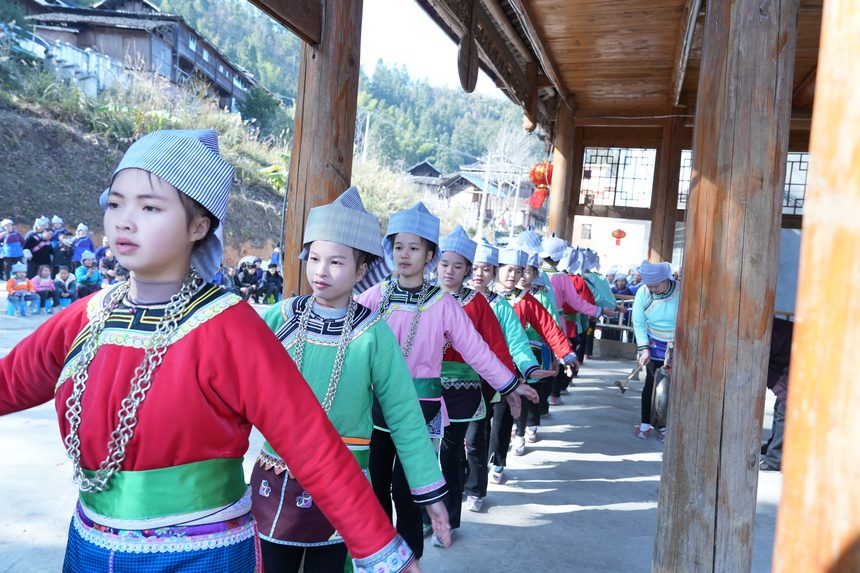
<point x="419" y="221"/>
<point x="529" y="241"/>
<point x="487" y="254"/>
<point x="552" y="248"/>
<point x="343" y="221"/>
<point x="514" y="257"/>
<point x="190" y="161"/>
<point x="457" y="241"/>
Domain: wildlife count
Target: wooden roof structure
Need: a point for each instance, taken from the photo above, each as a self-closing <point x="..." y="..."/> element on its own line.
<point x="620" y="60"/>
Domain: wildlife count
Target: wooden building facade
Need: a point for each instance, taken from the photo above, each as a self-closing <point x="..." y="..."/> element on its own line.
<point x="138" y="35"/>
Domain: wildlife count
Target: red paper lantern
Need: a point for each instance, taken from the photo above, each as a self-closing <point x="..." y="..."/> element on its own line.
<point x="618" y="234"/>
<point x="541" y="176"/>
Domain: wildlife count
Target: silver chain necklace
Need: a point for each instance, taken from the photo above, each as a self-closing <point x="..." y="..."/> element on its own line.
<point x="140" y="383"/>
<point x="337" y="369"/>
<point x="416" y="314"/>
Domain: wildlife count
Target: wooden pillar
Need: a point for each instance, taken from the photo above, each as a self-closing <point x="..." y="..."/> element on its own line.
<point x="818" y="527"/>
<point x="321" y="162"/>
<point x="562" y="173"/>
<point x="710" y="465"/>
<point x="664" y="197"/>
<point x="576" y="180"/>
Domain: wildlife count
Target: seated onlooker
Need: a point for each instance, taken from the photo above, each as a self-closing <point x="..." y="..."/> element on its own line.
<point x="272" y="285"/>
<point x="21" y="289"/>
<point x="107" y="266"/>
<point x="102" y="250"/>
<point x="58" y="229"/>
<point x="248" y="283"/>
<point x="230" y="281"/>
<point x="88" y="276"/>
<point x="621" y="286"/>
<point x="65" y="285"/>
<point x="45" y="288"/>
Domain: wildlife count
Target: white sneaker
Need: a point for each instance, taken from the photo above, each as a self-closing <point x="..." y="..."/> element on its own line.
<point x="474" y="503"/>
<point x="519" y="446"/>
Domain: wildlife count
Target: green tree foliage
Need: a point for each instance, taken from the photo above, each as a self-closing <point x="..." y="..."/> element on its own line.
<point x="269" y="114"/>
<point x="409" y="120"/>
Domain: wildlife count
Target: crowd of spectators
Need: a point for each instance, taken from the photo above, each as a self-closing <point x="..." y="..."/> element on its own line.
<point x="50" y="266"/>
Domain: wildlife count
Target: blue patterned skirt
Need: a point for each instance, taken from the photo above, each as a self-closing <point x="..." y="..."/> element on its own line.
<point x="230" y="545"/>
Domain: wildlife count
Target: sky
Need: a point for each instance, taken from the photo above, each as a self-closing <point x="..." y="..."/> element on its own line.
<point x="401" y="32"/>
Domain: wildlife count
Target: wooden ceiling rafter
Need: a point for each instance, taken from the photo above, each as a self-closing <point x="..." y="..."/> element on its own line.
<point x="683" y="46"/>
<point x="804" y="93"/>
<point x="544" y="58"/>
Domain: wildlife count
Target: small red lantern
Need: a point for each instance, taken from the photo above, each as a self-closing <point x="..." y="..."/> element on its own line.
<point x="541" y="176"/>
<point x="618" y="234"/>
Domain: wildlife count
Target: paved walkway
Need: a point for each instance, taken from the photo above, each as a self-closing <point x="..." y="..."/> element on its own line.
<point x="582" y="499"/>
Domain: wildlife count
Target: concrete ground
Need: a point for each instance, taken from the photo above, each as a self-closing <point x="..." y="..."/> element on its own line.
<point x="583" y="498"/>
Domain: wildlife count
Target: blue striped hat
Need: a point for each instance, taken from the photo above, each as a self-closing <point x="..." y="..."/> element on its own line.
<point x="487" y="254"/>
<point x="514" y="257"/>
<point x="571" y="261"/>
<point x="418" y="221"/>
<point x="343" y="221"/>
<point x="190" y="161"/>
<point x="458" y="241"/>
<point x="552" y="248"/>
<point x="529" y="241"/>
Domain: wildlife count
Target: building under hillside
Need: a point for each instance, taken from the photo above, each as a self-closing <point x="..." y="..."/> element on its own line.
<point x="138" y="35"/>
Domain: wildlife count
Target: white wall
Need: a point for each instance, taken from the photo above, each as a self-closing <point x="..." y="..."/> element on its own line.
<point x="631" y="251"/>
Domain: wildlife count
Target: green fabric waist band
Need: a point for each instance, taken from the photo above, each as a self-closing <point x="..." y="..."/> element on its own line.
<point x="428" y="387"/>
<point x="362" y="455"/>
<point x="169" y="491"/>
<point x="459" y="371"/>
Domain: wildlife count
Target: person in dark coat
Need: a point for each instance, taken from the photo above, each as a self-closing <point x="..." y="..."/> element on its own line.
<point x="272" y="284"/>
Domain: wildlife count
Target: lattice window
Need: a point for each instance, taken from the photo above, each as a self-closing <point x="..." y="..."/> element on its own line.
<point x="797" y="164"/>
<point x="618" y="176"/>
<point x="795" y="183"/>
<point x="685" y="178"/>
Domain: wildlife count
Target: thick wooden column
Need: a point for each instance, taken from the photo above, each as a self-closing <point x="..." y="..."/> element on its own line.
<point x="576" y="180"/>
<point x="710" y="466"/>
<point x="321" y="162"/>
<point x="664" y="197"/>
<point x="562" y="173"/>
<point x="818" y="527"/>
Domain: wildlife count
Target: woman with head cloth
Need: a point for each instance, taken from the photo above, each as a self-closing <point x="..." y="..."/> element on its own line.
<point x="655" y="312"/>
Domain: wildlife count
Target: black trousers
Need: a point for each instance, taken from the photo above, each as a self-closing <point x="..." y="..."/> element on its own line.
<point x="452" y="458"/>
<point x="530" y="412"/>
<point x="477" y="455"/>
<point x="44" y="295"/>
<point x="650" y="370"/>
<point x="389" y="481"/>
<point x="559" y="383"/>
<point x="288" y="558"/>
<point x="500" y="433"/>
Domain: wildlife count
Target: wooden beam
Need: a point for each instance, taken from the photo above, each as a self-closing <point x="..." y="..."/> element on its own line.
<point x="302" y="17"/>
<point x="636" y="213"/>
<point x="818" y="523"/>
<point x="804" y="93"/>
<point x="562" y="173"/>
<point x="498" y="15"/>
<point x="664" y="196"/>
<point x="544" y="58"/>
<point x="710" y="468"/>
<point x="683" y="44"/>
<point x="321" y="162"/>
